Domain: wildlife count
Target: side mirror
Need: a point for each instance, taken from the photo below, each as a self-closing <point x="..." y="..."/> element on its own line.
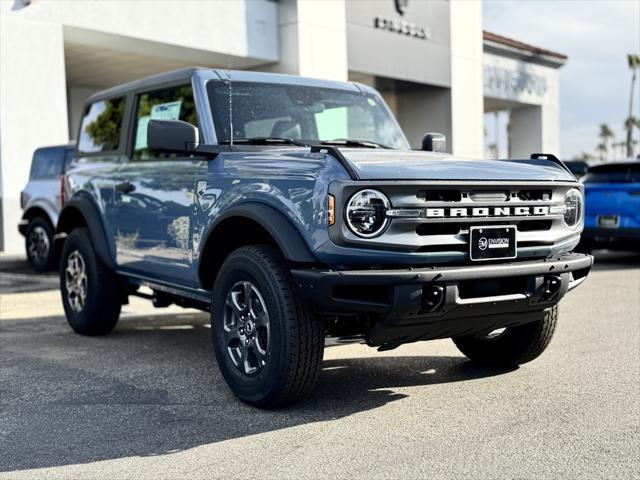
<point x="171" y="136"/>
<point x="434" y="142"/>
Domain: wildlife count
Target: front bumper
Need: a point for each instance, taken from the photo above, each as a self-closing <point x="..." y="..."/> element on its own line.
<point x="437" y="302"/>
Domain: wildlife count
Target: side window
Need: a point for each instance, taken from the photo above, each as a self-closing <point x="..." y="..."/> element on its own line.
<point x="69" y="157"/>
<point x="101" y="126"/>
<point x="173" y="103"/>
<point x="46" y="164"/>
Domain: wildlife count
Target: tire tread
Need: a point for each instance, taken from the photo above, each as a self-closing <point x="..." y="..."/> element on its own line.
<point x="520" y="344"/>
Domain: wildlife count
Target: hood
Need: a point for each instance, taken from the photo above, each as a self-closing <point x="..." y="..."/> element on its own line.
<point x="372" y="164"/>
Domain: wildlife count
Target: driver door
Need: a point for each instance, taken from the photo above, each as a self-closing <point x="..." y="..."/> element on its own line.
<point x="155" y="194"/>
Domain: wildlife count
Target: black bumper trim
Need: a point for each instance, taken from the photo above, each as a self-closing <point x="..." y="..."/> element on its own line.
<point x="406" y="305"/>
<point x="311" y="278"/>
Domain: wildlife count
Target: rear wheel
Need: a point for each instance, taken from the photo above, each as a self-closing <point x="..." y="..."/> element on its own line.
<point x="91" y="292"/>
<point x="513" y="345"/>
<point x="39" y="244"/>
<point x="268" y="346"/>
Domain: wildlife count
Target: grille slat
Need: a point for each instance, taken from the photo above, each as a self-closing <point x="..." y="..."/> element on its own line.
<point x="439" y="232"/>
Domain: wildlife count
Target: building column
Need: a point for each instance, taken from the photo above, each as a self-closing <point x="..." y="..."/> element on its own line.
<point x="526" y="131"/>
<point x="534" y="129"/>
<point x="313" y="39"/>
<point x="467" y="95"/>
<point x="33" y="109"/>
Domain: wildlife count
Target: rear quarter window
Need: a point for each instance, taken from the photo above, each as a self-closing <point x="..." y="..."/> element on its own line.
<point x="101" y="126"/>
<point x="47" y="164"/>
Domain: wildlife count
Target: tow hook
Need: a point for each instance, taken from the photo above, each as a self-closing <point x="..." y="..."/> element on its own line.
<point x="551" y="287"/>
<point x="432" y="298"/>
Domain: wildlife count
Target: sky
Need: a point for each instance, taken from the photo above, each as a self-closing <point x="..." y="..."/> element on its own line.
<point x="595" y="82"/>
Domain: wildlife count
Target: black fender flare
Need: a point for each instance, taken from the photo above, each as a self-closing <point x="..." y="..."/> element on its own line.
<point x="276" y="224"/>
<point x="84" y="206"/>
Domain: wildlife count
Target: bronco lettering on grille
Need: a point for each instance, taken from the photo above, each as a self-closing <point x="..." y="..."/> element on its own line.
<point x="486" y="212"/>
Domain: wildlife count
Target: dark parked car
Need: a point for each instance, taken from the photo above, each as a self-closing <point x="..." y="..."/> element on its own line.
<point x="293" y="208"/>
<point x="577" y="167"/>
<point x="40" y="202"/>
<point x="612" y="194"/>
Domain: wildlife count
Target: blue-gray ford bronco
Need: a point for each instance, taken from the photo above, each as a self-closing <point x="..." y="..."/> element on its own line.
<point x="293" y="209"/>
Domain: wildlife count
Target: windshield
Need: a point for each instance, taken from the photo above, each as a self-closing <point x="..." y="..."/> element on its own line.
<point x="308" y="114"/>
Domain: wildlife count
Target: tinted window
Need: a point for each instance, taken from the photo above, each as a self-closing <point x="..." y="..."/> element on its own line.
<point x="174" y="103"/>
<point x="47" y="164"/>
<point x="101" y="126"/>
<point x="614" y="174"/>
<point x="69" y="157"/>
<point x="577" y="168"/>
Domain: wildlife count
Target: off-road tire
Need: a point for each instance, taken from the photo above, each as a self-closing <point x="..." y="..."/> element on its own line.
<point x="101" y="309"/>
<point x="43" y="262"/>
<point x="517" y="345"/>
<point x="296" y="339"/>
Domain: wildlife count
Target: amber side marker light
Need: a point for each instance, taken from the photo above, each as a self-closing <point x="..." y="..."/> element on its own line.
<point x="331" y="210"/>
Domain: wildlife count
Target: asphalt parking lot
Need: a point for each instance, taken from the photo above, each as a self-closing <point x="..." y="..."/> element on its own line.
<point x="148" y="401"/>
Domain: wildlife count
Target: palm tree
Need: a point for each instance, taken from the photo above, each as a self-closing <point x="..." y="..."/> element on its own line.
<point x="584" y="156"/>
<point x="631" y="123"/>
<point x="605" y="134"/>
<point x="602" y="151"/>
<point x="634" y="65"/>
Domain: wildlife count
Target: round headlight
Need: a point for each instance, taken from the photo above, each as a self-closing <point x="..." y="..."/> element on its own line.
<point x="573" y="208"/>
<point x="366" y="213"/>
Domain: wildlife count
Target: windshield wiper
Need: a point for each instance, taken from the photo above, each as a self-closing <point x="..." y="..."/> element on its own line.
<point x="347" y="142"/>
<point x="265" y="141"/>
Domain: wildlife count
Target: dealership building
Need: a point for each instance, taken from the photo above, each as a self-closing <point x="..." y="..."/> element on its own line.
<point x="431" y="60"/>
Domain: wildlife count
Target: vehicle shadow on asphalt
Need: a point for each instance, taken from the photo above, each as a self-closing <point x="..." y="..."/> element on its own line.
<point x="152" y="387"/>
<point x="611" y="260"/>
<point x="16" y="276"/>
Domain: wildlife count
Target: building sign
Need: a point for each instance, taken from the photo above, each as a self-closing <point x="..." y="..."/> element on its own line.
<point x="400" y="39"/>
<point x="401" y="6"/>
<point x="511" y="83"/>
<point x="402" y="27"/>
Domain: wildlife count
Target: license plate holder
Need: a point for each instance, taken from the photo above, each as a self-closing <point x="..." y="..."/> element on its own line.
<point x="608" y="221"/>
<point x="492" y="243"/>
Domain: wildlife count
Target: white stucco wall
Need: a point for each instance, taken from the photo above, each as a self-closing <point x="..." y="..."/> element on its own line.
<point x="313" y="39"/>
<point x="245" y="28"/>
<point x="33" y="107"/>
<point x="467" y="108"/>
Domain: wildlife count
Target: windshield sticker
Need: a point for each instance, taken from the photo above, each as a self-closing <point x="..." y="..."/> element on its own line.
<point x="141" y="132"/>
<point x="166" y="111"/>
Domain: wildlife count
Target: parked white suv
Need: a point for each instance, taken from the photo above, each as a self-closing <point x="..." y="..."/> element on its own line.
<point x="40" y="201"/>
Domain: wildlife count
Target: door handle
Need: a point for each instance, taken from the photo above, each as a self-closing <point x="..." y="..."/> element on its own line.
<point x="125" y="187"/>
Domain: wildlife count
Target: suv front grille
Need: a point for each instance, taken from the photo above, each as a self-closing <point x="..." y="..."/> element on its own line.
<point x="436" y="217"/>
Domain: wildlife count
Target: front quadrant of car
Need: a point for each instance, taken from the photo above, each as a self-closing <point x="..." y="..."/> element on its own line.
<point x="612" y="196"/>
<point x="292" y="209"/>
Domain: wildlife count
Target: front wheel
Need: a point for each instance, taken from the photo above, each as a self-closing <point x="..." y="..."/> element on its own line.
<point x="513" y="345"/>
<point x="91" y="292"/>
<point x="268" y="346"/>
